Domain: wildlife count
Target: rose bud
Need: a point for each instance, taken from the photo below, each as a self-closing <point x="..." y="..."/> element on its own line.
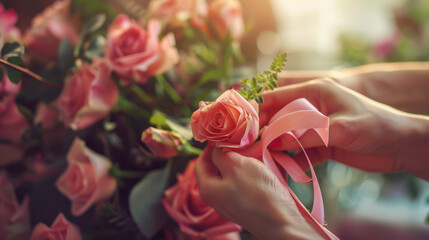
<point x="161" y="143"/>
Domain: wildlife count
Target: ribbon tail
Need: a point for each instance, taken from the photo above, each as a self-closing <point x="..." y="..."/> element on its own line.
<point x="310" y="218"/>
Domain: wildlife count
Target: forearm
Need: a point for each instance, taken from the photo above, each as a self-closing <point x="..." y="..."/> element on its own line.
<point x="404" y="86"/>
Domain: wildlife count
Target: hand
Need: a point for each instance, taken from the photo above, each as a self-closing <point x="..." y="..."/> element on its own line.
<point x="245" y="191"/>
<point x="363" y="133"/>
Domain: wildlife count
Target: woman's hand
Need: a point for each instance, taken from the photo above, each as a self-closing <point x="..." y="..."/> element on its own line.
<point x="245" y="191"/>
<point x="363" y="133"/>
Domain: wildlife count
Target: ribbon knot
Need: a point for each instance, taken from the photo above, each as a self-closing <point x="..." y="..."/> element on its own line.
<point x="293" y="121"/>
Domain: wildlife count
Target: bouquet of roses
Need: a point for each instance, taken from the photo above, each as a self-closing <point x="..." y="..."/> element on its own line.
<point x="94" y="115"/>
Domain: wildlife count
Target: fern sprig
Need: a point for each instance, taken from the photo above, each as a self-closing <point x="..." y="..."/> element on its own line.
<point x="252" y="88"/>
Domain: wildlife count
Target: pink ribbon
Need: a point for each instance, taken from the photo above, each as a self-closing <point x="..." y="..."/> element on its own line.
<point x="293" y="121"/>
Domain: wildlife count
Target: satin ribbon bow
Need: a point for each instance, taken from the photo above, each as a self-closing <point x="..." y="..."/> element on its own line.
<point x="292" y="121"/>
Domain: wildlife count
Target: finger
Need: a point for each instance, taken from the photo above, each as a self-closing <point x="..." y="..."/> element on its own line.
<point x="316" y="156"/>
<point x="278" y="98"/>
<point x="205" y="169"/>
<point x="226" y="161"/>
<point x="294" y="77"/>
<point x="286" y="142"/>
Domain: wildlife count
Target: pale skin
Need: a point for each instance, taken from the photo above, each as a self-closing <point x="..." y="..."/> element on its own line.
<point x="364" y="134"/>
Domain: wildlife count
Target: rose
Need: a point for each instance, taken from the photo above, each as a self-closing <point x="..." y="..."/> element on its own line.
<point x="230" y="121"/>
<point x="226" y="17"/>
<point x="178" y="10"/>
<point x="86" y="180"/>
<point x="88" y="96"/>
<point x="184" y="204"/>
<point x="14" y="219"/>
<point x="48" y="29"/>
<point x="160" y="142"/>
<point x="12" y="123"/>
<point x="61" y="229"/>
<point x="8" y="31"/>
<point x="136" y="54"/>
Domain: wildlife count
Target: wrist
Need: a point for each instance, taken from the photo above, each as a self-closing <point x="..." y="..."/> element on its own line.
<point x="414" y="153"/>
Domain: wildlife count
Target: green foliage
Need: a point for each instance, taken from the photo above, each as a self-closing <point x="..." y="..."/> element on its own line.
<point x="65" y="55"/>
<point x="161" y="121"/>
<point x="252" y="88"/>
<point x="12" y="49"/>
<point x="427" y="219"/>
<point x="145" y="201"/>
<point x="13" y="74"/>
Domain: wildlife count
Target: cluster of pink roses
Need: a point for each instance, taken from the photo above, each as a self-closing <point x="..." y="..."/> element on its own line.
<point x="132" y="53"/>
<point x="220" y="17"/>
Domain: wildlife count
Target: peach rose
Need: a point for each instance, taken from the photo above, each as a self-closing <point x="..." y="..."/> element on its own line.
<point x="14" y="219"/>
<point x="86" y="180"/>
<point x="231" y="121"/>
<point x="161" y="143"/>
<point x="181" y="10"/>
<point x="8" y="31"/>
<point x="61" y="229"/>
<point x="226" y="17"/>
<point x="48" y="29"/>
<point x="195" y="218"/>
<point x="12" y="123"/>
<point x="136" y="54"/>
<point x="88" y="95"/>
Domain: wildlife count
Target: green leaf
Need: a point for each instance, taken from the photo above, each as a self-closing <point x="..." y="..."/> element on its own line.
<point x="427" y="219"/>
<point x="96" y="47"/>
<point x="145" y="201"/>
<point x="1" y="74"/>
<point x="168" y="88"/>
<point x="12" y="49"/>
<point x="183" y="131"/>
<point x="158" y="119"/>
<point x="94" y="23"/>
<point x="14" y="75"/>
<point x="65" y="55"/>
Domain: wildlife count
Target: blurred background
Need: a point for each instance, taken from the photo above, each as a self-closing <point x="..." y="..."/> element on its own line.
<point x="326" y="35"/>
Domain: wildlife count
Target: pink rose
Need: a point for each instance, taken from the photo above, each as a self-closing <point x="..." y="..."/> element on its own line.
<point x="12" y="123"/>
<point x="137" y="54"/>
<point x="88" y="95"/>
<point x="226" y="17"/>
<point x="14" y="219"/>
<point x="86" y="180"/>
<point x="231" y="121"/>
<point x="181" y="10"/>
<point x="61" y="229"/>
<point x="161" y="143"/>
<point x="8" y="31"/>
<point x="184" y="204"/>
<point x="48" y="29"/>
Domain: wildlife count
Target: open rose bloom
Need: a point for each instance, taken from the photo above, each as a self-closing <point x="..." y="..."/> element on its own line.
<point x="61" y="229"/>
<point x="86" y="180"/>
<point x="8" y="31"/>
<point x="184" y="204"/>
<point x="231" y="121"/>
<point x="226" y="17"/>
<point x="14" y="218"/>
<point x="88" y="95"/>
<point x="135" y="53"/>
<point x="48" y="29"/>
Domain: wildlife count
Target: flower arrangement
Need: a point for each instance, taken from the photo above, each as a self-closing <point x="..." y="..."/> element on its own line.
<point x="97" y="120"/>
